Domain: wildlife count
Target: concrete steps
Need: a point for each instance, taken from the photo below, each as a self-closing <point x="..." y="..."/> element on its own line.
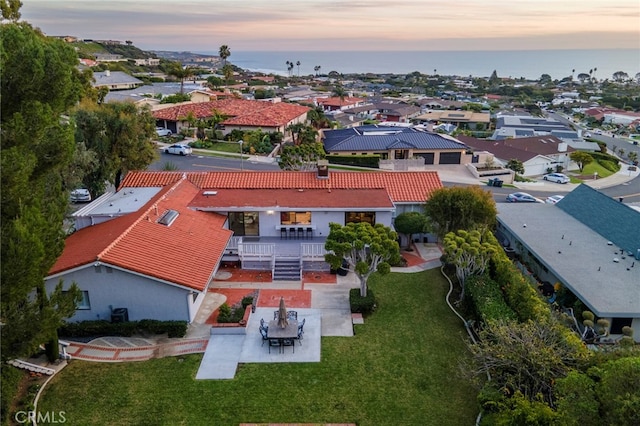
<point x="287" y="269"/>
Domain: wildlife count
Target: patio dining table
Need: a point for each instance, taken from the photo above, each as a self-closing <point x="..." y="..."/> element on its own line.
<point x="290" y="332"/>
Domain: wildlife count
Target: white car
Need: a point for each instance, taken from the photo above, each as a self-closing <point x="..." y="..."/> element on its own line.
<point x="553" y="199"/>
<point x="556" y="177"/>
<point x="178" y="149"/>
<point x="80" y="195"/>
<point x="161" y="131"/>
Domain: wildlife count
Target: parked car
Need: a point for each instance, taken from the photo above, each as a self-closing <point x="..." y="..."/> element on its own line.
<point x="178" y="149"/>
<point x="553" y="199"/>
<point x="522" y="197"/>
<point x="162" y="131"/>
<point x="80" y="195"/>
<point x="556" y="177"/>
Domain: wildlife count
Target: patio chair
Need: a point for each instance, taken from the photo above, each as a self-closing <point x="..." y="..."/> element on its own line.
<point x="262" y="323"/>
<point x="292" y="315"/>
<point x="309" y="233"/>
<point x="276" y="315"/>
<point x="300" y="333"/>
<point x="263" y="333"/>
<point x="301" y="326"/>
<point x="300" y="233"/>
<point x="274" y="342"/>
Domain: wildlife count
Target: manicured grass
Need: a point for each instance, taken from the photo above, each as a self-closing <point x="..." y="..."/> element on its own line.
<point x="401" y="367"/>
<point x="593" y="167"/>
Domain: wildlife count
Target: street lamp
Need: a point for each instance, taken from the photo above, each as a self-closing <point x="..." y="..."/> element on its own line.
<point x="241" y="156"/>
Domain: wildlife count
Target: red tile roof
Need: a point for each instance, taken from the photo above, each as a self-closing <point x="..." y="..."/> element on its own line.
<point x="294" y="198"/>
<point x="136" y="242"/>
<point x="402" y="187"/>
<point x="239" y="111"/>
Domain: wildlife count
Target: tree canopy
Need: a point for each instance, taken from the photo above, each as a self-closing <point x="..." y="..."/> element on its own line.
<point x="468" y="253"/>
<point x="37" y="147"/>
<point x="366" y="248"/>
<point x="302" y="157"/>
<point x="454" y="208"/>
<point x="581" y="158"/>
<point x="410" y="223"/>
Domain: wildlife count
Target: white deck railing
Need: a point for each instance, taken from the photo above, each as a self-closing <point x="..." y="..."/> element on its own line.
<point x="312" y="251"/>
<point x="256" y="251"/>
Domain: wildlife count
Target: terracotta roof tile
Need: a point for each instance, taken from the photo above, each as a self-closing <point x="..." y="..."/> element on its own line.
<point x="136" y="242"/>
<point x="402" y="187"/>
<point x="239" y="111"/>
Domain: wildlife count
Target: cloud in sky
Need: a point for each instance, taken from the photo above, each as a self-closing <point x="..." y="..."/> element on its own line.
<point x="204" y="25"/>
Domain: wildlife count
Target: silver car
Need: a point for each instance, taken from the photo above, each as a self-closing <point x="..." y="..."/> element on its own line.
<point x="556" y="177"/>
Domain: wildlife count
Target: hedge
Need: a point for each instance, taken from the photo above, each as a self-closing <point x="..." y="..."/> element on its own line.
<point x="487" y="299"/>
<point x="362" y="305"/>
<point x="125" y="329"/>
<point x="371" y="161"/>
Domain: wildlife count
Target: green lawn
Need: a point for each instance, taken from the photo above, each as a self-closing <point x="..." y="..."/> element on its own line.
<point x="401" y="368"/>
<point x="593" y="167"/>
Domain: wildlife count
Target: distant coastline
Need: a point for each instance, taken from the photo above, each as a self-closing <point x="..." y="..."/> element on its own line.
<point x="530" y="64"/>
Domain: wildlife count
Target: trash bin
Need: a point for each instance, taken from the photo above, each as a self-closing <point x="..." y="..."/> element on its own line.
<point x="497" y="182"/>
<point x="344" y="269"/>
<point x="490" y="182"/>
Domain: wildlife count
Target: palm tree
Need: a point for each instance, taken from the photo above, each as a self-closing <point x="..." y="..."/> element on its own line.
<point x="316" y="69"/>
<point x="224" y="53"/>
<point x="298" y="64"/>
<point x="182" y="74"/>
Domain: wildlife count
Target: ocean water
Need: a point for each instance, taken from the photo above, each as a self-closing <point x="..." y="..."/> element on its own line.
<point x="530" y="64"/>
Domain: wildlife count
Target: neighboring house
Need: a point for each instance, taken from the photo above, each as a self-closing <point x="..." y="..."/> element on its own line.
<point x="438" y="103"/>
<point x="241" y="115"/>
<point x="147" y="62"/>
<point x="537" y="153"/>
<point x="154" y="269"/>
<point x="462" y="119"/>
<point x="336" y="103"/>
<point x="115" y="80"/>
<point x="109" y="57"/>
<point x="385" y="111"/>
<point x="395" y="143"/>
<point x="153" y="247"/>
<point x="588" y="243"/>
<point x="535" y="124"/>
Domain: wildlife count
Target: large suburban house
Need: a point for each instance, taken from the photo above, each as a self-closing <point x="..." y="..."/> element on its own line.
<point x="240" y="114"/>
<point x="153" y="247"/>
<point x="593" y="250"/>
<point x="115" y="80"/>
<point x="462" y="119"/>
<point x="538" y="153"/>
<point x="399" y="112"/>
<point x="395" y="143"/>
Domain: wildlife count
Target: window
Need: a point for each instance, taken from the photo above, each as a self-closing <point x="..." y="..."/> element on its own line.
<point x="295" y="218"/>
<point x="357" y="217"/>
<point x="84" y="303"/>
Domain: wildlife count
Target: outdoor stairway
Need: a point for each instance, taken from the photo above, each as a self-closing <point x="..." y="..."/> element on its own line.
<point x="31" y="367"/>
<point x="286" y="269"/>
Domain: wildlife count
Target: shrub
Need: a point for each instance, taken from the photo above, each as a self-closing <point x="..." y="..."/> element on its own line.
<point x="125" y="329"/>
<point x="487" y="299"/>
<point x="362" y="305"/>
<point x="226" y="314"/>
<point x="350" y="160"/>
<point x="246" y="301"/>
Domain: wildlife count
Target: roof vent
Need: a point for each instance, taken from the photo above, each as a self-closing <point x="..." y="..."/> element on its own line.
<point x="168" y="217"/>
<point x="207" y="193"/>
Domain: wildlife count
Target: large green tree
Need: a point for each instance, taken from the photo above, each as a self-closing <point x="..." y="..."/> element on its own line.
<point x="468" y="253"/>
<point x="454" y="208"/>
<point x="366" y="248"/>
<point x="39" y="84"/>
<point x="581" y="158"/>
<point x="410" y="223"/>
<point x="120" y="135"/>
<point x="302" y="157"/>
<point x="224" y="52"/>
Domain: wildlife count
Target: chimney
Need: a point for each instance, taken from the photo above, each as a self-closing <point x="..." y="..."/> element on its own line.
<point x="323" y="169"/>
<point x="107" y="73"/>
<point x="562" y="147"/>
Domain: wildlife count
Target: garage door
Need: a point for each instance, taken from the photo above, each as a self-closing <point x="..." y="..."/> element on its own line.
<point x="449" y="158"/>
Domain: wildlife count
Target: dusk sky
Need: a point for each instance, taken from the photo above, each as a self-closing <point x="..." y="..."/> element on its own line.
<point x="330" y="25"/>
